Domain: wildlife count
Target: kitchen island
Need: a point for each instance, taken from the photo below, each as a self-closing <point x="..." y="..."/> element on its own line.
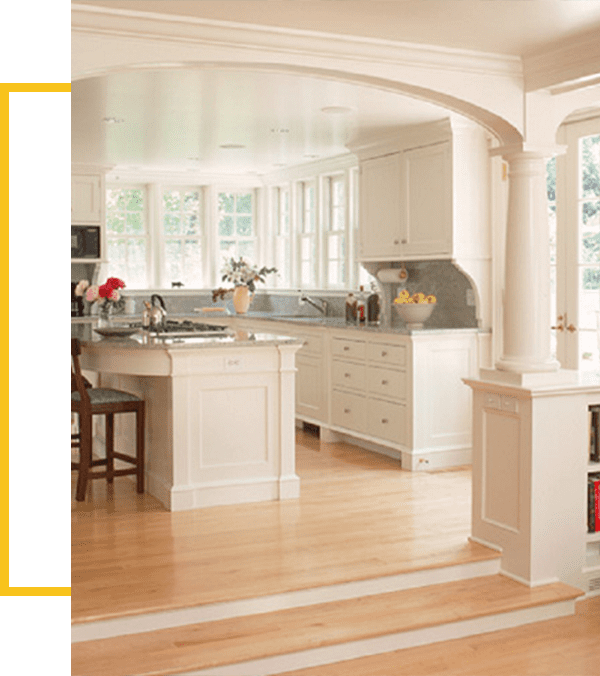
<point x="219" y="412"/>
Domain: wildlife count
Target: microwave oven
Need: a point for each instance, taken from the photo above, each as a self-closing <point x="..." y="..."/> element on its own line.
<point x="85" y="241"/>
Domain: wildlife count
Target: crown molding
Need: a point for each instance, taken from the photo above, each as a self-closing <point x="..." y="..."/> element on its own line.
<point x="86" y="19"/>
<point x="188" y="177"/>
<point x="573" y="64"/>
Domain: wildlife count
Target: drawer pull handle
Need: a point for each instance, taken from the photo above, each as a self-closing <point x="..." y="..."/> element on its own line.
<point x="346" y="375"/>
<point x="384" y="421"/>
<point x="384" y="382"/>
<point x="346" y="410"/>
<point x="346" y="348"/>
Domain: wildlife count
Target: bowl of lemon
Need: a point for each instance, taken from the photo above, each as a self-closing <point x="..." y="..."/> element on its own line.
<point x="415" y="310"/>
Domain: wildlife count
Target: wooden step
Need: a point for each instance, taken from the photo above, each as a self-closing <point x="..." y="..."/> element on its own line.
<point x="274" y="642"/>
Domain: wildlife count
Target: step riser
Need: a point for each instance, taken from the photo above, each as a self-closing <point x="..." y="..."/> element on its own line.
<point x="384" y="644"/>
<point x="138" y="624"/>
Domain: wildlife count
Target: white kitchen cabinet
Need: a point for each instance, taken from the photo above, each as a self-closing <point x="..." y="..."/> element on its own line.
<point x="369" y="386"/>
<point x="428" y="201"/>
<point x="406" y="204"/>
<point x="402" y="395"/>
<point x="423" y="196"/>
<point x="382" y="215"/>
<point x="87" y="199"/>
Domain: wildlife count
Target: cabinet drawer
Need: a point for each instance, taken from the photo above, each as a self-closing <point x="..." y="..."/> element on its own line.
<point x="348" y="410"/>
<point x="346" y="374"/>
<point x="348" y="349"/>
<point x="312" y="344"/>
<point x="387" y="421"/>
<point x="387" y="354"/>
<point x="387" y="382"/>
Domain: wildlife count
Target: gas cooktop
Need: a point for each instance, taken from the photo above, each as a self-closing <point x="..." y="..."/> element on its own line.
<point x="185" y="327"/>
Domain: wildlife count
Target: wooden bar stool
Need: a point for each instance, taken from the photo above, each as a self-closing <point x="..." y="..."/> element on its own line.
<point x="90" y="401"/>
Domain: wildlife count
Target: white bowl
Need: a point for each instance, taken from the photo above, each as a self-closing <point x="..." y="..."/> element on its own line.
<point x="414" y="314"/>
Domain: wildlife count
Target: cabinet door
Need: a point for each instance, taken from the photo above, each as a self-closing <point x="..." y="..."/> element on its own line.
<point x="382" y="219"/>
<point x="428" y="189"/>
<point x="86" y="199"/>
<point x="310" y="399"/>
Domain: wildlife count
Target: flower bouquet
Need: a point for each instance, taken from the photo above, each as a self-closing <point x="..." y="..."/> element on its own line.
<point x="241" y="273"/>
<point x="107" y="296"/>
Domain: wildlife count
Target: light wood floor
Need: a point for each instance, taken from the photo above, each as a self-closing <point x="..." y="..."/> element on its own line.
<point x="567" y="646"/>
<point x="359" y="516"/>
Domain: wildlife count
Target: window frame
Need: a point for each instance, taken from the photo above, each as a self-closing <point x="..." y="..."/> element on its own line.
<point x="146" y="218"/>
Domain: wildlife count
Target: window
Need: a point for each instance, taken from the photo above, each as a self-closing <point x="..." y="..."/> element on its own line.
<point x="589" y="248"/>
<point x="578" y="246"/>
<point x="551" y="194"/>
<point x="182" y="238"/>
<point x="236" y="227"/>
<point x="335" y="234"/>
<point x="127" y="235"/>
<point x="283" y="251"/>
<point x="307" y="239"/>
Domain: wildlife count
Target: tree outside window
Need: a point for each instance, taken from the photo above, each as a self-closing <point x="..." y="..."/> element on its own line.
<point x="236" y="227"/>
<point x="127" y="235"/>
<point x="182" y="235"/>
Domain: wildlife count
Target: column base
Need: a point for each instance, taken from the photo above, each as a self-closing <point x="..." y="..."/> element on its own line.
<point x="518" y="366"/>
<point x="538" y="379"/>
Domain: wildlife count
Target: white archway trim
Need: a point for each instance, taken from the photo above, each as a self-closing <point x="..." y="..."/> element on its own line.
<point x="487" y="88"/>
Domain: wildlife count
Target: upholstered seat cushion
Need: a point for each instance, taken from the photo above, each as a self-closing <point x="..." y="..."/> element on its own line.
<point x="102" y="395"/>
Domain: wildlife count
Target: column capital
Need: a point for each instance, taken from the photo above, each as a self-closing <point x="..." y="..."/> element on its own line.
<point x="526" y="150"/>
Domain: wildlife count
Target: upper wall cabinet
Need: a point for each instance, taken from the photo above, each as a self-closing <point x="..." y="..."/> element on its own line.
<point x="411" y="194"/>
<point x="87" y="199"/>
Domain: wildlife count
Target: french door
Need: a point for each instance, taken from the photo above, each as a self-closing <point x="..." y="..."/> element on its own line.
<point x="575" y="246"/>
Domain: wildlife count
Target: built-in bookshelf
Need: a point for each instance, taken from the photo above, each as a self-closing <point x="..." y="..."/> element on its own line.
<point x="592" y="554"/>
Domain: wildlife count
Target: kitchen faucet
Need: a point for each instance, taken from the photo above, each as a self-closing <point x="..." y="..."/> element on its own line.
<point x="319" y="303"/>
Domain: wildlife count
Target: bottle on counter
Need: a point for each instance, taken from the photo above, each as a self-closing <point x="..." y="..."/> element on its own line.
<point x="361" y="306"/>
<point x="373" y="306"/>
<point x="350" y="308"/>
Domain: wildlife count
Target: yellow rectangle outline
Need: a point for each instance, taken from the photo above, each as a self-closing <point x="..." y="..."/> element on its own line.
<point x="5" y="90"/>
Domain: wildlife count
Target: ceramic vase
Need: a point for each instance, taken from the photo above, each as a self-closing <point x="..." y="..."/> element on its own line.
<point x="241" y="299"/>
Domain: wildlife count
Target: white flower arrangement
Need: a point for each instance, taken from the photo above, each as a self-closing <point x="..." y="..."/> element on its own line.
<point x="241" y="273"/>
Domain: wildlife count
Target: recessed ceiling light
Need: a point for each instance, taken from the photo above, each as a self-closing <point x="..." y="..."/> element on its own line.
<point x="231" y="146"/>
<point x="336" y="110"/>
<point x="112" y="120"/>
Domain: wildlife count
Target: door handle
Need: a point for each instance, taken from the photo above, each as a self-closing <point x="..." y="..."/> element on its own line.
<point x="571" y="328"/>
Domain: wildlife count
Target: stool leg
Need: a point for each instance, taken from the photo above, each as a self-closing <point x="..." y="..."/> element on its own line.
<point x="110" y="447"/>
<point x="85" y="455"/>
<point x="139" y="438"/>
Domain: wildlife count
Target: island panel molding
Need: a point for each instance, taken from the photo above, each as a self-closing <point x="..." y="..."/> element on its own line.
<point x="220" y="416"/>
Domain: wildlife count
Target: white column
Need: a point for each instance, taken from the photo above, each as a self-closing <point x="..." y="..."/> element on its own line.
<point x="526" y="327"/>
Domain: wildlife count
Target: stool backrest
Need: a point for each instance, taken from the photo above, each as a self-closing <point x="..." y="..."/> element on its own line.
<point x="78" y="382"/>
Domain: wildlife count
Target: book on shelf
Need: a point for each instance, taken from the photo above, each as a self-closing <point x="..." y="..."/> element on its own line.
<point x="594" y="433"/>
<point x="594" y="503"/>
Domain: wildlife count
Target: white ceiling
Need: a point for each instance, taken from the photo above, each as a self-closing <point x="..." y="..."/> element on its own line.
<point x="180" y="119"/>
<point x="515" y="27"/>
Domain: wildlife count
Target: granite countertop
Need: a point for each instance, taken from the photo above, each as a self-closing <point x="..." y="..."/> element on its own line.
<point x="143" y="341"/>
<point x="315" y="321"/>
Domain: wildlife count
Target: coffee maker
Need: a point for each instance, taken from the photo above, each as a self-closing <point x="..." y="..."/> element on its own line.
<point x="76" y="302"/>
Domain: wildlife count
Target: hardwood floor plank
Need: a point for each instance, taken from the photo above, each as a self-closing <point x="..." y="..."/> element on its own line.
<point x="212" y="644"/>
<point x="359" y="516"/>
<point x="567" y="646"/>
